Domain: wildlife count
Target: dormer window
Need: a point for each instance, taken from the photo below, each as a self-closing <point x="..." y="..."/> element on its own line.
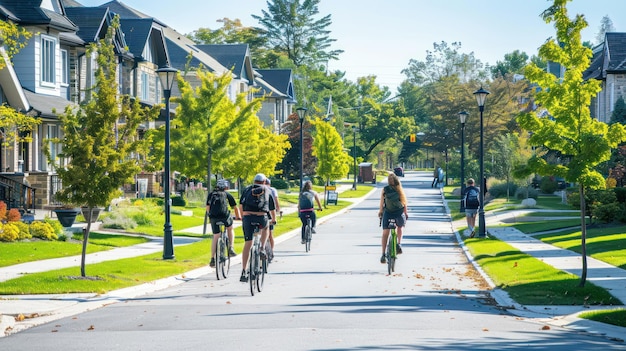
<point x="48" y="60"/>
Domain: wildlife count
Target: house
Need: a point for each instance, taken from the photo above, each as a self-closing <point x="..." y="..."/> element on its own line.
<point x="235" y="57"/>
<point x="277" y="91"/>
<point x="609" y="66"/>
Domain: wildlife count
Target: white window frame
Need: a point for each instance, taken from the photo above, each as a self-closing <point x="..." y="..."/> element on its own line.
<point x="145" y="87"/>
<point x="47" y="69"/>
<point x="65" y="67"/>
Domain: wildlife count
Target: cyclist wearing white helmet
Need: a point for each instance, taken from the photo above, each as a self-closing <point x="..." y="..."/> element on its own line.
<point x="217" y="207"/>
<point x="270" y="248"/>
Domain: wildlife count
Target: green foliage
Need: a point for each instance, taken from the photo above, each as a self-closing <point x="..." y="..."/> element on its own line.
<point x="548" y="185"/>
<point x="608" y="213"/>
<point x="8" y="232"/>
<point x="42" y="230"/>
<point x="14" y="38"/>
<point x="499" y="189"/>
<point x="24" y="230"/>
<point x="118" y="220"/>
<point x="328" y="148"/>
<point x="280" y="183"/>
<point x="179" y="201"/>
<point x="196" y="196"/>
<point x="55" y="224"/>
<point x="526" y="192"/>
<point x="619" y="112"/>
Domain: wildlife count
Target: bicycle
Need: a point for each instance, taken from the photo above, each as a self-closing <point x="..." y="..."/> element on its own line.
<point x="392" y="243"/>
<point x="222" y="258"/>
<point x="307" y="232"/>
<point x="257" y="266"/>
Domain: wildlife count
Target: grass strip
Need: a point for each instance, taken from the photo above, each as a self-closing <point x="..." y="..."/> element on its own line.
<point x="28" y="251"/>
<point x="529" y="281"/>
<point x="615" y="317"/>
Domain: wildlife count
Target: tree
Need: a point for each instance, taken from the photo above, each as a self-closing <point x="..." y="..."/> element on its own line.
<point x="582" y="142"/>
<point x="619" y="112"/>
<point x="98" y="147"/>
<point x="332" y="160"/>
<point x="445" y="61"/>
<point x="513" y="63"/>
<point x="292" y="28"/>
<point x="606" y="25"/>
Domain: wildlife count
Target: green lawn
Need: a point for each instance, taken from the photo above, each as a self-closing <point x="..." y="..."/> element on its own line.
<point x="21" y="252"/>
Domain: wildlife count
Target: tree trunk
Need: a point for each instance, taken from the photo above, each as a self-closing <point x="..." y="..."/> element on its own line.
<point x="208" y="186"/>
<point x="583" y="236"/>
<point x="85" y="240"/>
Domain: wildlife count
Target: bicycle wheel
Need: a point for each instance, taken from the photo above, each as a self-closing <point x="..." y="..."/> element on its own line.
<point x="225" y="256"/>
<point x="307" y="236"/>
<point x="391" y="252"/>
<point x="260" y="277"/>
<point x="219" y="263"/>
<point x="252" y="268"/>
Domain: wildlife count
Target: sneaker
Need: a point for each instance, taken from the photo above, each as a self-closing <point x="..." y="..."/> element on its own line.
<point x="212" y="263"/>
<point x="270" y="254"/>
<point x="263" y="254"/>
<point x="398" y="249"/>
<point x="302" y="241"/>
<point x="383" y="259"/>
<point x="244" y="277"/>
<point x="473" y="233"/>
<point x="231" y="252"/>
<point x="313" y="230"/>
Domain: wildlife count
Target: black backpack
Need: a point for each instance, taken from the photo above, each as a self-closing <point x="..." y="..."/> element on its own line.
<point x="471" y="198"/>
<point x="306" y="200"/>
<point x="256" y="199"/>
<point x="218" y="205"/>
<point x="392" y="200"/>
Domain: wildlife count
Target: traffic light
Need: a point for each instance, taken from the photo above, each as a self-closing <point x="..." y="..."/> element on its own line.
<point x="412" y="138"/>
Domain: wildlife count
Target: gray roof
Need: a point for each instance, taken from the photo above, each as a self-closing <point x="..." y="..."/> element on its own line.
<point x="616" y="46"/>
<point x="179" y="47"/>
<point x="281" y="79"/>
<point x="30" y="12"/>
<point x="45" y="105"/>
<point x="231" y="56"/>
<point x="90" y="21"/>
<point x="126" y="11"/>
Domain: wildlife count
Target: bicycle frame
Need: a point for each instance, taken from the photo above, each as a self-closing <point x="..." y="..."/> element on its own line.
<point x="222" y="258"/>
<point x="257" y="266"/>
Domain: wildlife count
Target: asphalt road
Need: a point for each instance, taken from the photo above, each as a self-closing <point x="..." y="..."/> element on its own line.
<point x="336" y="297"/>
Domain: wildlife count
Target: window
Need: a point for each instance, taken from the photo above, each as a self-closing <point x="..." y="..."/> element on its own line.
<point x="48" y="69"/>
<point x="65" y="67"/>
<point x="145" y="87"/>
<point x="51" y="131"/>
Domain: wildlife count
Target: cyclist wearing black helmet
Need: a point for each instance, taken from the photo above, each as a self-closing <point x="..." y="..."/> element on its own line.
<point x="217" y="207"/>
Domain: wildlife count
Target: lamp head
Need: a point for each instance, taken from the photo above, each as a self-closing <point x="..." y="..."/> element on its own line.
<point x="167" y="76"/>
<point x="481" y="95"/>
<point x="301" y="111"/>
<point x="463" y="116"/>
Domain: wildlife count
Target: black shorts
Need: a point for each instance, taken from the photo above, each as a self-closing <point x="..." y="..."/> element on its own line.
<point x="249" y="226"/>
<point x="228" y="221"/>
<point x="398" y="216"/>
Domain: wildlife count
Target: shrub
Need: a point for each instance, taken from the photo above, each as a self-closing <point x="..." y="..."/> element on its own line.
<point x="14" y="215"/>
<point x="117" y="220"/>
<point x="500" y="189"/>
<point x="607" y="213"/>
<point x="548" y="185"/>
<point x="24" y="230"/>
<point x="42" y="230"/>
<point x="522" y="192"/>
<point x="3" y="211"/>
<point x="178" y="201"/>
<point x="611" y="182"/>
<point x="196" y="196"/>
<point x="56" y="225"/>
<point x="280" y="183"/>
<point x="620" y="193"/>
<point x="8" y="232"/>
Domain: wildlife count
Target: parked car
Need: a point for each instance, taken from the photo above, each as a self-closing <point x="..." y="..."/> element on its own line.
<point x="399" y="171"/>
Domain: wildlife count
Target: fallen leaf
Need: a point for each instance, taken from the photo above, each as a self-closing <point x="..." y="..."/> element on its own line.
<point x="20" y="317"/>
<point x="91" y="327"/>
<point x="545" y="327"/>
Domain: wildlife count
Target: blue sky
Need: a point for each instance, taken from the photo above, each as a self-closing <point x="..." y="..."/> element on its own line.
<point x="379" y="37"/>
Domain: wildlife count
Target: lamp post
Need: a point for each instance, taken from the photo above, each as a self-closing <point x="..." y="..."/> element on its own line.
<point x="167" y="76"/>
<point x="354" y="155"/>
<point x="462" y="117"/>
<point x="301" y="111"/>
<point x="481" y="96"/>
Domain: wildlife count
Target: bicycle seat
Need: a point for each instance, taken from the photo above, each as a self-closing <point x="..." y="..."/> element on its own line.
<point x="220" y="223"/>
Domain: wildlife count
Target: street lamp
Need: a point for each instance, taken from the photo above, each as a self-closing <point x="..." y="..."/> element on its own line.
<point x="301" y="111"/>
<point x="354" y="154"/>
<point x="167" y="76"/>
<point x="462" y="117"/>
<point x="481" y="96"/>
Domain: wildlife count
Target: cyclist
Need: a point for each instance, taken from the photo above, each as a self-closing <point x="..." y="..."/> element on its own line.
<point x="217" y="206"/>
<point x="392" y="205"/>
<point x="307" y="206"/>
<point x="270" y="248"/>
<point x="255" y="204"/>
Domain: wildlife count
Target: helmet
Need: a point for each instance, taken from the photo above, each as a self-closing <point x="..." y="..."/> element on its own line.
<point x="222" y="184"/>
<point x="260" y="178"/>
<point x="268" y="181"/>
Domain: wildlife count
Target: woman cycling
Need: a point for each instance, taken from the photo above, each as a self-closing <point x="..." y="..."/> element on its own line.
<point x="392" y="205"/>
<point x="307" y="206"/>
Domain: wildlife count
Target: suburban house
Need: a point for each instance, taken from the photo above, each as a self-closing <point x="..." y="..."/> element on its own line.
<point x="54" y="71"/>
<point x="609" y="66"/>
